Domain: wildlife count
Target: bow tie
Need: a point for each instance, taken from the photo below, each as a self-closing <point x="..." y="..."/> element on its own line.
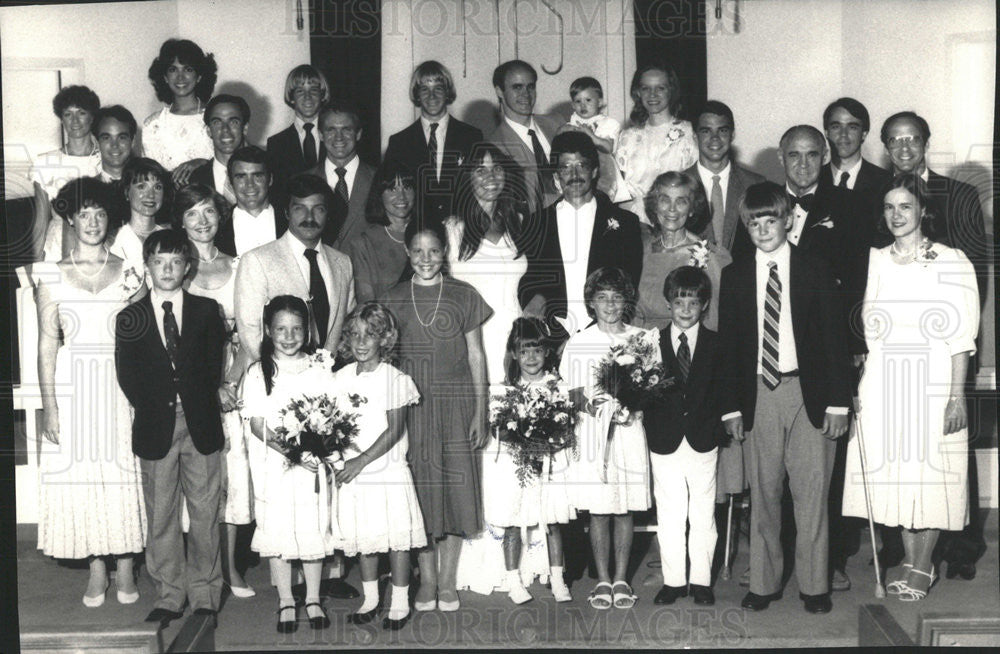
<point x="804" y="201"/>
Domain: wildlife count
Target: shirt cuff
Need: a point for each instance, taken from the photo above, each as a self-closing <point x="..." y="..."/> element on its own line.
<point x="733" y="414"/>
<point x="837" y="410"/>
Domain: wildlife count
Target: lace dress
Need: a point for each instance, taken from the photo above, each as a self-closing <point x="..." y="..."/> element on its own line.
<point x="171" y="139"/>
<point x="645" y="152"/>
<point x="90" y="488"/>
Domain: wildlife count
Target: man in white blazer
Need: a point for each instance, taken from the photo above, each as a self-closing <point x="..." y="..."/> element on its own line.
<point x="298" y="264"/>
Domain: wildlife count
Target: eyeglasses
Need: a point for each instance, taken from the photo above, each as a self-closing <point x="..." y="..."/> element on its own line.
<point x="896" y="142"/>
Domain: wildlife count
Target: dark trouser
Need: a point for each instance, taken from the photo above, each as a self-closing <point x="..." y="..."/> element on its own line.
<point x="845" y="533"/>
<point x="184" y="473"/>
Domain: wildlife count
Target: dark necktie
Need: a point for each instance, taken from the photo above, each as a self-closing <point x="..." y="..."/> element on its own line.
<point x="772" y="314"/>
<point x="843" y="179"/>
<point x="683" y="356"/>
<point x="318" y="297"/>
<point x="432" y="148"/>
<point x="341" y="187"/>
<point x="536" y="145"/>
<point x="171" y="334"/>
<point x="309" y="146"/>
<point x="804" y="201"/>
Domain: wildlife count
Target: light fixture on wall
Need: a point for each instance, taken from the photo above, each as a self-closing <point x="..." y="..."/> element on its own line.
<point x="299" y="20"/>
<point x="736" y="14"/>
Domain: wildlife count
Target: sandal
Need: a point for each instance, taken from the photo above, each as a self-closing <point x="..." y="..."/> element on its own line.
<point x="909" y="594"/>
<point x="898" y="586"/>
<point x="624" y="600"/>
<point x="601" y="600"/>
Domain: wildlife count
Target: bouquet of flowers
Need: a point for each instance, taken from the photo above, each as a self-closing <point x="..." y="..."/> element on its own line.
<point x="315" y="425"/>
<point x="534" y="421"/>
<point x="631" y="373"/>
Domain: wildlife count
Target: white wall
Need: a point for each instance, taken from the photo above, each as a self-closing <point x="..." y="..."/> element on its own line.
<point x="254" y="41"/>
<point x="598" y="40"/>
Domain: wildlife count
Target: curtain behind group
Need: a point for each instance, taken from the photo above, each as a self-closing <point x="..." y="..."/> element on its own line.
<point x="673" y="31"/>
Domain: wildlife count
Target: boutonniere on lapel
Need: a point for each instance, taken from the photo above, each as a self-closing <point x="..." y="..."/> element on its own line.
<point x="699" y="254"/>
<point x="132" y="281"/>
<point x="674" y="134"/>
<point x="826" y="222"/>
<point x="612" y="225"/>
<point x="461" y="160"/>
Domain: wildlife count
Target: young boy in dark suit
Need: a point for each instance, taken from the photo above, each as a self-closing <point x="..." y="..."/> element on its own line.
<point x="169" y="362"/>
<point x="683" y="434"/>
<point x="787" y="385"/>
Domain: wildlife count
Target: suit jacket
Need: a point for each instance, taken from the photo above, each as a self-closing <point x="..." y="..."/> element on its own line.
<point x="152" y="384"/>
<point x="820" y="342"/>
<point x="960" y="223"/>
<point x="691" y="410"/>
<point x="272" y="270"/>
<point x="345" y="223"/>
<point x="204" y="175"/>
<point x="734" y="234"/>
<point x="435" y="196"/>
<point x="540" y="187"/>
<point x="837" y="229"/>
<point x="225" y="238"/>
<point x="284" y="155"/>
<point x="615" y="247"/>
<point x="867" y="190"/>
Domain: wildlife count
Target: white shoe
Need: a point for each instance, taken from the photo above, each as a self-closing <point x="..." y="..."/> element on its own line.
<point x="127" y="598"/>
<point x="518" y="594"/>
<point x="560" y="591"/>
<point x="94" y="602"/>
<point x="242" y="592"/>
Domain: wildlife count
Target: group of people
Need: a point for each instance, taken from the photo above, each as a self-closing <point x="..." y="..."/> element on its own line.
<point x="188" y="295"/>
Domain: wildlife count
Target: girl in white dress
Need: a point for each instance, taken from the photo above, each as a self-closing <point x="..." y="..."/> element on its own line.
<point x="149" y="194"/>
<point x="543" y="501"/>
<point x="377" y="507"/>
<point x="176" y="136"/>
<point x="655" y="141"/>
<point x="920" y="316"/>
<point x="611" y="478"/>
<point x="90" y="501"/>
<point x="199" y="210"/>
<point x="293" y="514"/>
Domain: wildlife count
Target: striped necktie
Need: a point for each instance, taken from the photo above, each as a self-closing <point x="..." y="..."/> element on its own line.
<point x="683" y="356"/>
<point x="772" y="313"/>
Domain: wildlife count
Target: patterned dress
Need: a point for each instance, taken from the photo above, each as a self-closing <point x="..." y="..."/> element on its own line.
<point x="171" y="139"/>
<point x="90" y="490"/>
<point x="643" y="153"/>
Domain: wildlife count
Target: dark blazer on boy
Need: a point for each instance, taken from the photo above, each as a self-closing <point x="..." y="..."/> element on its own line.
<point x="284" y="155"/>
<point x="690" y="410"/>
<point x="616" y="242"/>
<point x="435" y="195"/>
<point x="152" y="385"/>
<point x="820" y="340"/>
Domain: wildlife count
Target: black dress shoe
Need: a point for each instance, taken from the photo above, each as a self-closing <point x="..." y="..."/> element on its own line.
<point x="669" y="594"/>
<point x="320" y="621"/>
<point x="817" y="603"/>
<point x="363" y="618"/>
<point x="395" y="625"/>
<point x="754" y="602"/>
<point x="287" y="626"/>
<point x="338" y="589"/>
<point x="163" y="616"/>
<point x="703" y="595"/>
<point x="209" y="613"/>
<point x="966" y="571"/>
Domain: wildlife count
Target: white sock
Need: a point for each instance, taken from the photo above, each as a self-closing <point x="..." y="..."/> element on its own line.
<point x="370" y="589"/>
<point x="559" y="588"/>
<point x="515" y="589"/>
<point x="399" y="606"/>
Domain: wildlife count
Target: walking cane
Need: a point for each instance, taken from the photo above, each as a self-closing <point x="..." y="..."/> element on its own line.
<point x="727" y="570"/>
<point x="879" y="589"/>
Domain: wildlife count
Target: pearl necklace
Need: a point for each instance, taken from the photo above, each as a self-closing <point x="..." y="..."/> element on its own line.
<point x="912" y="255"/>
<point x="397" y="240"/>
<point x="413" y="299"/>
<point x="72" y="258"/>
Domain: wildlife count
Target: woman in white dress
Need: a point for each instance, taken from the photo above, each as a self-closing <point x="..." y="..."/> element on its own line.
<point x="148" y="196"/>
<point x="655" y="140"/>
<point x="920" y="317"/>
<point x="485" y="249"/>
<point x="176" y="136"/>
<point x="199" y="210"/>
<point x="91" y="502"/>
<point x="612" y="477"/>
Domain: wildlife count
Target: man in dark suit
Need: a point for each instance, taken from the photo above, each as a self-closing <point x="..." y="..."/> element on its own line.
<point x="255" y="220"/>
<point x="169" y="362"/>
<point x="574" y="237"/>
<point x="227" y="117"/>
<point x="524" y="135"/>
<point x="959" y="223"/>
<point x="436" y="144"/>
<point x="344" y="172"/>
<point x="788" y="387"/>
<point x="683" y="433"/>
<point x="298" y="147"/>
<point x="847" y="123"/>
<point x="722" y="179"/>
